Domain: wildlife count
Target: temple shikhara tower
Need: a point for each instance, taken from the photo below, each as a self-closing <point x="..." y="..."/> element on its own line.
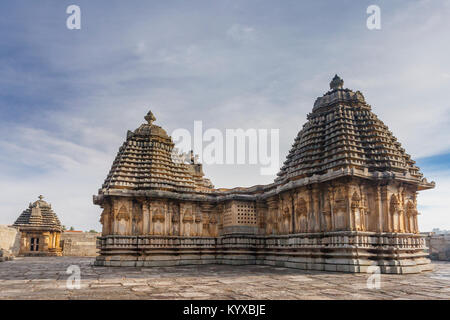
<point x="344" y="200"/>
<point x="40" y="230"/>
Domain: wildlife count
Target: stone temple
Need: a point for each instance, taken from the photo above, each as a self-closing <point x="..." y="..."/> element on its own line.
<point x="40" y="230"/>
<point x="344" y="200"/>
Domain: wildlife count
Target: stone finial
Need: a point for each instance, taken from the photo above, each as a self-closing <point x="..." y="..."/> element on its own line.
<point x="41" y="197"/>
<point x="336" y="83"/>
<point x="150" y="117"/>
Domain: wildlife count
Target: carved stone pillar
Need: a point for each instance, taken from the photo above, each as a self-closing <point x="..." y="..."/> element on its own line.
<point x="271" y="220"/>
<point x="387" y="225"/>
<point x="158" y="217"/>
<point x="350" y="223"/>
<point x="122" y="219"/>
<point x="378" y="207"/>
<point x="292" y="198"/>
<point x="261" y="216"/>
<point x="175" y="218"/>
<point x="137" y="221"/>
<point x="214" y="224"/>
<point x="327" y="219"/>
<point x="284" y="217"/>
<point x="403" y="224"/>
<point x="187" y="219"/>
<point x="311" y="219"/>
<point x="145" y="217"/>
<point x="330" y="196"/>
<point x="107" y="219"/>
<point x="206" y="209"/>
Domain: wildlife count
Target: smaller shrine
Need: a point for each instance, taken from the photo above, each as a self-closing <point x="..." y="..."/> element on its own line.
<point x="40" y="230"/>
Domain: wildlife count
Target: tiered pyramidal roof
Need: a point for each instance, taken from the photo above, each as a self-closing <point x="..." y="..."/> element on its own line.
<point x="39" y="215"/>
<point x="146" y="161"/>
<point x="342" y="132"/>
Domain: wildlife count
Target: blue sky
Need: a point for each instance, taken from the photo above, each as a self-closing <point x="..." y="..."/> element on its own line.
<point x="67" y="97"/>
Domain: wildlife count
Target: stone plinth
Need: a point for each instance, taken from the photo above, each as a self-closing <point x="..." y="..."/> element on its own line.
<point x="332" y="251"/>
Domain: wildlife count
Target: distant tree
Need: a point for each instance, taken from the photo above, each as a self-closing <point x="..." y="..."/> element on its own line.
<point x="71" y="229"/>
<point x="92" y="231"/>
<point x="64" y="228"/>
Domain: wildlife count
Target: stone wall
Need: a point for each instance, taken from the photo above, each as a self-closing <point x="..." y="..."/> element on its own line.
<point x="79" y="243"/>
<point x="341" y="251"/>
<point x="9" y="240"/>
<point x="439" y="246"/>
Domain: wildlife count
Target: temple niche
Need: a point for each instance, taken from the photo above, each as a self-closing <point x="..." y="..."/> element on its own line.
<point x="40" y="230"/>
<point x="339" y="210"/>
<point x="345" y="200"/>
<point x="301" y="215"/>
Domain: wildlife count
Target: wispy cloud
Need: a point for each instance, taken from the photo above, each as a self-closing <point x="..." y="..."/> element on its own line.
<point x="241" y="33"/>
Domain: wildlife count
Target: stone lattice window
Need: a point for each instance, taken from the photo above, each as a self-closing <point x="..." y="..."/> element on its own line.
<point x="246" y="214"/>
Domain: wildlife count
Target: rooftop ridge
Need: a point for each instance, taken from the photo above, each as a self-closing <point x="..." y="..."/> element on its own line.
<point x="343" y="132"/>
<point x="38" y="214"/>
<point x="146" y="161"/>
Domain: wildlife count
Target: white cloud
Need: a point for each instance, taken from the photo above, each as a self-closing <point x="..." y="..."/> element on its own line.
<point x="434" y="203"/>
<point x="67" y="173"/>
<point x="241" y="33"/>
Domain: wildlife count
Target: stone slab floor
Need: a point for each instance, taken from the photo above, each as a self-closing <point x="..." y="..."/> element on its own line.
<point x="46" y="278"/>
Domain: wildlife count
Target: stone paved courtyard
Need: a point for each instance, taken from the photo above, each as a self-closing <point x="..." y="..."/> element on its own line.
<point x="45" y="278"/>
